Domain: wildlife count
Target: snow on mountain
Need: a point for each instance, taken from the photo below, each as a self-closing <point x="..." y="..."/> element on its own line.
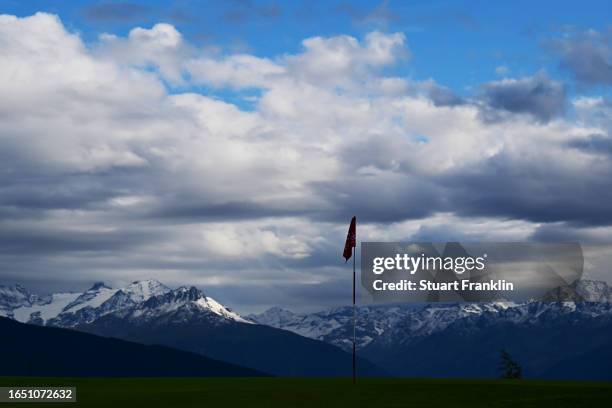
<point x="101" y="300"/>
<point x="93" y="297"/>
<point x="217" y="308"/>
<point x="139" y="291"/>
<point x="147" y="299"/>
<point x="150" y="301"/>
<point x="43" y="311"/>
<point x="336" y="325"/>
<point x="182" y="305"/>
<point x="405" y="323"/>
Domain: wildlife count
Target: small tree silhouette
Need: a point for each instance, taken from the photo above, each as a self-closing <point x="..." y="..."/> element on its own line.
<point x="508" y="367"/>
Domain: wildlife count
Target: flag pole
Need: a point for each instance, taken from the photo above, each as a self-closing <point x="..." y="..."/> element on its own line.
<point x="354" y="315"/>
<point x="350" y="249"/>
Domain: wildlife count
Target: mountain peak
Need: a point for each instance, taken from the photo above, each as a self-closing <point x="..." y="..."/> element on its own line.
<point x="189" y="300"/>
<point x="144" y="289"/>
<point x="98" y="285"/>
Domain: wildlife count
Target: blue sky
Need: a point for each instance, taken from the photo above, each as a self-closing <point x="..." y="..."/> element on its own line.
<point x="227" y="144"/>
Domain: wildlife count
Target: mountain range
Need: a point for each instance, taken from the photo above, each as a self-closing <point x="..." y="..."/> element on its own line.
<point x="185" y="318"/>
<point x="464" y="339"/>
<point x="434" y="339"/>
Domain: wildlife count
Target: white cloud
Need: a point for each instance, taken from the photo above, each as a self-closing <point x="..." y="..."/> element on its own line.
<point x="161" y="46"/>
<point x="236" y="71"/>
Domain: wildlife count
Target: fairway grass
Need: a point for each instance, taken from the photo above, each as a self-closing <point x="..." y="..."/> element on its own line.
<point x="321" y="392"/>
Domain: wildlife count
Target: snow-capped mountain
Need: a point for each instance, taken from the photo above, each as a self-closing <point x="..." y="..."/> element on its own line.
<point x="41" y="311"/>
<point x="335" y="326"/>
<point x="403" y="324"/>
<point x="148" y="312"/>
<point x="180" y="305"/>
<point x="144" y="300"/>
<point x="436" y="339"/>
<point x="100" y="300"/>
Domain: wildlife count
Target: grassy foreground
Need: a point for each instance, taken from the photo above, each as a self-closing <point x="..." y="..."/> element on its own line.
<point x="323" y="392"/>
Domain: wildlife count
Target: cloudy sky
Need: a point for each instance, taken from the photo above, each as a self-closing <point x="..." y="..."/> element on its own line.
<point x="227" y="144"/>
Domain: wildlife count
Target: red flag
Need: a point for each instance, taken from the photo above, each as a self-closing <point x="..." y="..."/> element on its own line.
<point x="351" y="240"/>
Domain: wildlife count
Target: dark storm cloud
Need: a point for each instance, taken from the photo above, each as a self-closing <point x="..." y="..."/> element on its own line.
<point x="510" y="187"/>
<point x="506" y="186"/>
<point x="56" y="192"/>
<point x="595" y="144"/>
<point x="115" y="11"/>
<point x="538" y="96"/>
<point x="389" y="198"/>
<point x="587" y="55"/>
<point x="30" y="191"/>
<point x="193" y="209"/>
<point x="41" y="240"/>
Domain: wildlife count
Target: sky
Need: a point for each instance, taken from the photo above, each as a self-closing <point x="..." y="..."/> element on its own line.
<point x="226" y="145"/>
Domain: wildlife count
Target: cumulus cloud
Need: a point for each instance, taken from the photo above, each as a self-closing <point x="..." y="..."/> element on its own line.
<point x="331" y="60"/>
<point x="235" y="71"/>
<point x="110" y="171"/>
<point x="161" y="46"/>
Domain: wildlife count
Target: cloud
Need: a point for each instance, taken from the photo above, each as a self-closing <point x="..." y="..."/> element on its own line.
<point x="442" y="96"/>
<point x="124" y="159"/>
<point x="342" y="60"/>
<point x="161" y="46"/>
<point x="538" y="96"/>
<point x="547" y="189"/>
<point x="240" y="11"/>
<point x="565" y="232"/>
<point x="595" y="144"/>
<point x="383" y="16"/>
<point x="115" y="11"/>
<point x="594" y="111"/>
<point x="379" y="16"/>
<point x="236" y="71"/>
<point x="587" y="55"/>
<point x="502" y="70"/>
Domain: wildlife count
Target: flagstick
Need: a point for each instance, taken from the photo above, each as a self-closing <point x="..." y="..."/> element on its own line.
<point x="354" y="314"/>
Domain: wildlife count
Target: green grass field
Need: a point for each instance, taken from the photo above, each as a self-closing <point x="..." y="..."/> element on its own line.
<point x="288" y="393"/>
